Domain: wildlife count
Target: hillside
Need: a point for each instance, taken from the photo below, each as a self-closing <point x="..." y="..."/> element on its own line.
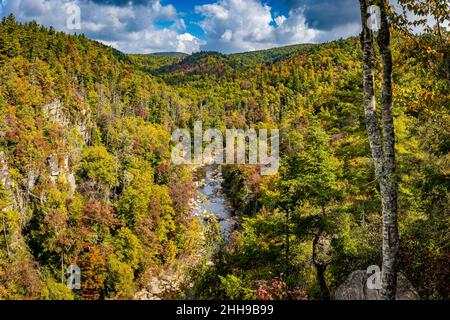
<point x="86" y="176"/>
<point x="84" y="152"/>
<point x="271" y="55"/>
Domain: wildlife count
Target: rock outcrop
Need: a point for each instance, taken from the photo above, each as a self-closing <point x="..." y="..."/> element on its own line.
<point x="355" y="288"/>
<point x="17" y="196"/>
<point x="164" y="286"/>
<point x="4" y="173"/>
<point x="56" y="112"/>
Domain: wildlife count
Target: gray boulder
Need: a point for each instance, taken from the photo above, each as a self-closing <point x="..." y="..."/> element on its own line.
<point x="355" y="288"/>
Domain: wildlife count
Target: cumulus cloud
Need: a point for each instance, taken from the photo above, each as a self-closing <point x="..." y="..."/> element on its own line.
<point x="280" y="20"/>
<point x="245" y="25"/>
<point x="121" y="2"/>
<point x="327" y="15"/>
<point x="130" y="26"/>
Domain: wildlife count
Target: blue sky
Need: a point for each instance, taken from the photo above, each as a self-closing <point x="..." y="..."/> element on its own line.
<point x="145" y="26"/>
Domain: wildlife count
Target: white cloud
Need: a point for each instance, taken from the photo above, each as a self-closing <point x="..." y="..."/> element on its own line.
<point x="227" y="35"/>
<point x="215" y="11"/>
<point x="295" y="30"/>
<point x="188" y="43"/>
<point x="130" y="28"/>
<point x="339" y="31"/>
<point x="245" y="25"/>
<point x="280" y="20"/>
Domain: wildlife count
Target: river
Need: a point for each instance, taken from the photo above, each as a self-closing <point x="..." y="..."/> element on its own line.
<point x="210" y="198"/>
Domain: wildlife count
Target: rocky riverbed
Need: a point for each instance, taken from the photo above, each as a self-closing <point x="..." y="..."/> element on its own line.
<point x="210" y="199"/>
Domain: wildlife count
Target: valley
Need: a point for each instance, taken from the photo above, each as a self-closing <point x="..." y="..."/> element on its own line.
<point x="87" y="178"/>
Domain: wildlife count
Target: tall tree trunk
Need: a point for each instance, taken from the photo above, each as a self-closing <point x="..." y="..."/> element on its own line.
<point x="388" y="181"/>
<point x="371" y="117"/>
<point x="324" y="291"/>
<point x="383" y="150"/>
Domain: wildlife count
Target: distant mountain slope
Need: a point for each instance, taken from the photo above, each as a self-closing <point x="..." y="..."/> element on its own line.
<point x="169" y="54"/>
<point x="271" y="55"/>
<point x="152" y="62"/>
<point x="218" y="65"/>
<point x="200" y="63"/>
<point x="210" y="62"/>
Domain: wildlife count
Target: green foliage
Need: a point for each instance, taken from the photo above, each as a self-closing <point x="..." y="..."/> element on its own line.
<point x="312" y="173"/>
<point x="56" y="290"/>
<point x="128" y="248"/>
<point x="234" y="289"/>
<point x="98" y="166"/>
<point x="120" y="280"/>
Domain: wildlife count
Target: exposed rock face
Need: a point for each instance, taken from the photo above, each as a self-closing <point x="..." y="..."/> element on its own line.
<point x="53" y="165"/>
<point x="31" y="179"/>
<point x="16" y="195"/>
<point x="4" y="173"/>
<point x="355" y="288"/>
<point x="166" y="286"/>
<point x="20" y="191"/>
<point x="72" y="182"/>
<point x="57" y="169"/>
<point x="54" y="112"/>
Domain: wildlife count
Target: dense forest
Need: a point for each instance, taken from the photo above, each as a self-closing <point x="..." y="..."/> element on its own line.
<point x="86" y="176"/>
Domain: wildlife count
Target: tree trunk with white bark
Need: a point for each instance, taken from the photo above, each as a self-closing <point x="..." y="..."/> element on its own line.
<point x="382" y="141"/>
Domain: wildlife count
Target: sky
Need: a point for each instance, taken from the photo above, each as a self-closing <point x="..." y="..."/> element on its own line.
<point x="228" y="26"/>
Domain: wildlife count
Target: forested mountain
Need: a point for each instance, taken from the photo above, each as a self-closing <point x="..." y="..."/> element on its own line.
<point x="271" y="55"/>
<point x="86" y="177"/>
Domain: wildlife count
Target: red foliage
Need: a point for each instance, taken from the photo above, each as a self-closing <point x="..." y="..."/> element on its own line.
<point x="181" y="194"/>
<point x="144" y="229"/>
<point x="276" y="289"/>
<point x="93" y="273"/>
<point x="98" y="213"/>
